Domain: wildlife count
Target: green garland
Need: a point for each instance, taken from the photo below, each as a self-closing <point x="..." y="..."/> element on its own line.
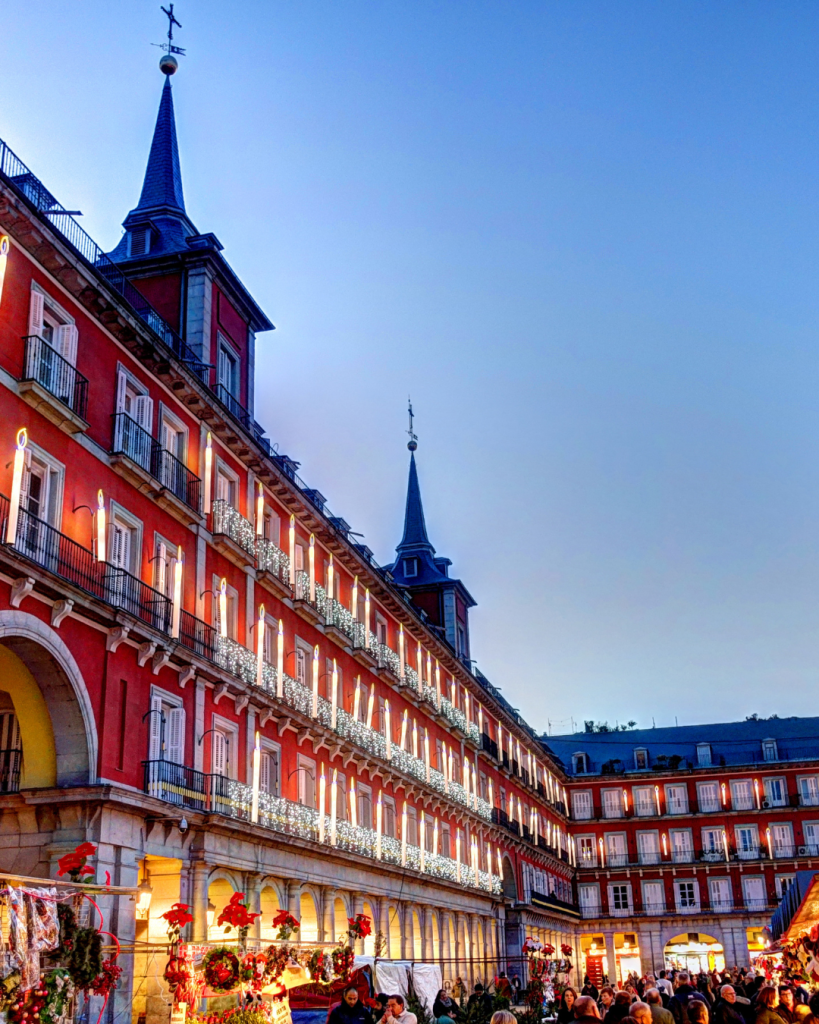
<point x="221" y="966"/>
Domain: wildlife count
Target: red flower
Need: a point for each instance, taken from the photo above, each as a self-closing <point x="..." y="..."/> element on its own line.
<point x="74" y="864"/>
<point x="236" y="914"/>
<point x="178" y="916"/>
<point x="360" y="926"/>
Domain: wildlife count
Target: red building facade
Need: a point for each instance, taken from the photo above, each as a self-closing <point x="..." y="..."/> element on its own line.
<point x="203" y="672"/>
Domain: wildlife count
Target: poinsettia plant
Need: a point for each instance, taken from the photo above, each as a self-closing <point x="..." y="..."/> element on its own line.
<point x="548" y="949"/>
<point x="566" y="949"/>
<point x="177" y="917"/>
<point x="236" y="915"/>
<point x="360" y="926"/>
<point x="75" y="864"/>
<point x="286" y="923"/>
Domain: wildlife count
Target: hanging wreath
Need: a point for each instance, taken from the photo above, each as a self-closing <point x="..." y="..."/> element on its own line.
<point x="343" y="960"/>
<point x="319" y="965"/>
<point x="176" y="972"/>
<point x="221" y="969"/>
<point x="278" y="957"/>
<point x="538" y="968"/>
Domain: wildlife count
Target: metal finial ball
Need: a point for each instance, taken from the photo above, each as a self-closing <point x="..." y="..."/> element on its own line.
<point x="168" y="64"/>
<point x="412" y="445"/>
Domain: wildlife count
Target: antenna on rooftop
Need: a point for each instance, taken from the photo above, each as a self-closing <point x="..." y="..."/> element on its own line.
<point x="413" y="438"/>
<point x="168" y="64"/>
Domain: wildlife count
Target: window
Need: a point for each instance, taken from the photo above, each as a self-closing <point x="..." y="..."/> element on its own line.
<point x="619" y="900"/>
<point x="589" y="896"/>
<point x="272" y="527"/>
<point x="306" y="768"/>
<point x="227" y="365"/>
<point x="810" y="830"/>
<point x="586" y="851"/>
<point x="782" y="840"/>
<point x="139" y="241"/>
<point x="365" y="807"/>
<point x="224" y="747"/>
<point x="173" y="436"/>
<point x="269" y="781"/>
<point x="644" y="805"/>
<point x="462" y="651"/>
<point x="410" y="566"/>
<point x="682" y="846"/>
<point x="704" y="755"/>
<point x="341" y="797"/>
<point x="301" y="657"/>
<point x="712" y="845"/>
<point x="49" y="321"/>
<point x="41" y="497"/>
<point x="747" y="842"/>
<point x="809" y="791"/>
<point x="753" y="890"/>
<point x="227" y="485"/>
<point x="446" y="841"/>
<point x="742" y="795"/>
<point x="381" y="628"/>
<point x="781" y="884"/>
<point x="708" y="797"/>
<point x="133" y="424"/>
<point x="648" y="847"/>
<point x="388" y="812"/>
<point x="769" y="752"/>
<point x="581" y="763"/>
<point x="653" y="898"/>
<point x="163" y="562"/>
<point x="612" y="803"/>
<point x="776" y="792"/>
<point x="641" y="759"/>
<point x="124" y="544"/>
<point x="722" y="899"/>
<point x="412" y="829"/>
<point x="687" y="896"/>
<point x="166" y="734"/>
<point x="582" y="805"/>
<point x="616" y="850"/>
<point x="676" y="799"/>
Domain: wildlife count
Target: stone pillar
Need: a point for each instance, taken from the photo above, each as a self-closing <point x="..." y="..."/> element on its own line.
<point x="726" y="937"/>
<point x="200" y="901"/>
<point x="293" y="898"/>
<point x="407" y="944"/>
<point x="611" y="957"/>
<point x="358" y="908"/>
<point x="427" y="946"/>
<point x="253" y="901"/>
<point x="446" y="949"/>
<point x="384" y="922"/>
<point x="328" y="911"/>
<point x="741" y="947"/>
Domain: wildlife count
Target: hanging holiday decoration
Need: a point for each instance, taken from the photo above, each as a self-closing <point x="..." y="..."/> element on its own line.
<point x="287" y="925"/>
<point x="221" y="969"/>
<point x="177" y="917"/>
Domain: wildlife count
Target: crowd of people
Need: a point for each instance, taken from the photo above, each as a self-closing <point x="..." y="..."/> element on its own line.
<point x="677" y="997"/>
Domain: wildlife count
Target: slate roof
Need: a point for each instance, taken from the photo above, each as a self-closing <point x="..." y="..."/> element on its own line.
<point x="416" y="543"/>
<point x="732" y="743"/>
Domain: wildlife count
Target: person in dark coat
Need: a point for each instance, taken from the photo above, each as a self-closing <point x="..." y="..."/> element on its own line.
<point x="619" y="1008"/>
<point x="787" y="1005"/>
<point x="589" y="989"/>
<point x="683" y="994"/>
<point x="479" y="998"/>
<point x="565" y="1014"/>
<point x="350" y="1010"/>
<point x="726" y="1009"/>
<point x="767" y="1004"/>
<point x="445" y="1007"/>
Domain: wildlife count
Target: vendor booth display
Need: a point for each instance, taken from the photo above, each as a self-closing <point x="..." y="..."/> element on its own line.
<point x="794" y="931"/>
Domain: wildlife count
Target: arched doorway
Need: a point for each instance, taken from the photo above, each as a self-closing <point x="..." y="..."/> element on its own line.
<point x="340" y="917"/>
<point x="269" y="906"/>
<point x="510" y="886"/>
<point x="40" y="686"/>
<point x="369" y="942"/>
<point x="416" y="935"/>
<point x="308" y="932"/>
<point x="694" y="951"/>
<point x="394" y="919"/>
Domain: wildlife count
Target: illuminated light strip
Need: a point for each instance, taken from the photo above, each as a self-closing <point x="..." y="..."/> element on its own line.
<point x="176" y="612"/>
<point x="100" y="519"/>
<point x="207" y="505"/>
<point x="257" y="762"/>
<point x="260" y="627"/>
<point x="259" y="511"/>
<point x="4" y="252"/>
<point x="223" y="608"/>
<point x="16" y="485"/>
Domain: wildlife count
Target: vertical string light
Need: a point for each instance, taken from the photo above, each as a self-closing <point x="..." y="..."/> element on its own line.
<point x="334" y="712"/>
<point x="491" y="794"/>
<point x="334" y="807"/>
<point x="370" y="706"/>
<point x="423" y="840"/>
<point x="257" y="765"/>
<point x="657" y="798"/>
<point x="208" y="473"/>
<point x="16" y="485"/>
<point x="445" y="766"/>
<point x="429" y="669"/>
<point x="404" y="722"/>
<point x="101" y="532"/>
<point x="176" y="610"/>
<point x="322" y="802"/>
<point x="724" y="789"/>
<point x="435" y="838"/>
<point x="4" y="253"/>
<point x="259" y="510"/>
<point x="367" y="618"/>
<point x="725" y="846"/>
<point x="419" y="668"/>
<point x="480" y="718"/>
<point x="437" y="684"/>
<point x="387" y="728"/>
<point x="457" y="854"/>
<point x="315" y="680"/>
<point x="353" y="805"/>
<point x="756" y="793"/>
<point x="378" y="827"/>
<point x="311" y="565"/>
<point x="404" y="836"/>
<point x="223" y="608"/>
<point x="280" y="661"/>
<point x="402" y="657"/>
<point x="602" y="849"/>
<point x="357" y="699"/>
<point x="768" y="842"/>
<point x="500" y="863"/>
<point x="260" y="628"/>
<point x="331" y="592"/>
<point x="426" y="752"/>
<point x="414" y="738"/>
<point x="354" y="607"/>
<point x="292" y="551"/>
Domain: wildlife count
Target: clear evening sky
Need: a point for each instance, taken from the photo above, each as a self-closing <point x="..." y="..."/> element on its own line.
<point x="583" y="236"/>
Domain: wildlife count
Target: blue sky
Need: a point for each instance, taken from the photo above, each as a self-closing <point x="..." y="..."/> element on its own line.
<point x="583" y="236"/>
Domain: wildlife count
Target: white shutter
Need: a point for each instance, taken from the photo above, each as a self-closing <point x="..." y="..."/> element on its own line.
<point x="265" y="773"/>
<point x="66" y="342"/>
<point x="161" y="567"/>
<point x="155" y="732"/>
<point x="35" y="313"/>
<point x="219" y="755"/>
<point x="175" y="743"/>
<point x="122" y="382"/>
<point x="143" y="412"/>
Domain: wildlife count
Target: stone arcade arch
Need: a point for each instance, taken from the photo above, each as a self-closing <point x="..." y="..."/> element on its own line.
<point x="33" y="645"/>
<point x="510" y="885"/>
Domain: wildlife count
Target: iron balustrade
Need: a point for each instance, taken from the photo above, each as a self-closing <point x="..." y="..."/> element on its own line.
<point x="11" y="762"/>
<point x="64" y="557"/>
<point x="197" y="636"/>
<point x="234" y="407"/>
<point x="270" y="558"/>
<point x="17" y="174"/>
<point x="134" y="441"/>
<point x="51" y="371"/>
<point x="226" y="520"/>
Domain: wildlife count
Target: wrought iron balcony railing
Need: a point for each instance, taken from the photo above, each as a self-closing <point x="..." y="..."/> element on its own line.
<point x="229" y="522"/>
<point x="60" y="379"/>
<point x="270" y="558"/>
<point x="11" y="762"/>
<point x="132" y="440"/>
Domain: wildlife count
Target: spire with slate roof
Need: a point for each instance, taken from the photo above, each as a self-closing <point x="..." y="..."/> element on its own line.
<point x="162" y="186"/>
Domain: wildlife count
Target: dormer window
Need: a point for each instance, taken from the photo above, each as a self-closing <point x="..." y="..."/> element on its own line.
<point x="769" y="751"/>
<point x="704" y="755"/>
<point x="581" y="763"/>
<point x="139" y="241"/>
<point x="641" y="759"/>
<point x="410" y="566"/>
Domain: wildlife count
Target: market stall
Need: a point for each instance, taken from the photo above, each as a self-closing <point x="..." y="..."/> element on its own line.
<point x="793" y="953"/>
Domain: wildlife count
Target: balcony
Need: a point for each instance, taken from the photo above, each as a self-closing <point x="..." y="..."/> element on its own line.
<point x="11" y="761"/>
<point x="216" y="794"/>
<point x="783" y="850"/>
<point x="808" y="800"/>
<point x="309" y="599"/>
<point x="53" y="386"/>
<point x="591" y="910"/>
<point x="617" y="860"/>
<point x="154" y="470"/>
<point x="63" y="557"/>
<point x="233" y="535"/>
<point x="682" y="856"/>
<point x="644" y="808"/>
<point x="748" y="853"/>
<point x="650" y="857"/>
<point x="273" y="567"/>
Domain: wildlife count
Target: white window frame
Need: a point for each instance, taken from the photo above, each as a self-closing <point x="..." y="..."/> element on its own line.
<point x="753" y="852"/>
<point x="725" y="906"/>
<point x="649" y="856"/>
<point x="117" y="512"/>
<point x="167" y="415"/>
<point x="580" y="763"/>
<point x="56" y="471"/>
<point x="701" y="788"/>
<point x="770" y="750"/>
<point x="704" y="755"/>
<point x="221" y="467"/>
<point x="670" y="805"/>
<point x="615" y="799"/>
<point x="589" y="907"/>
<point x="61" y="315"/>
<point x="682" y="904"/>
<point x="638" y="803"/>
<point x="306" y="766"/>
<point x="268" y="746"/>
<point x="222" y="343"/>
<point x="754" y="902"/>
<point x="586" y="842"/>
<point x="777" y="848"/>
<point x="174" y="702"/>
<point x="649" y="906"/>
<point x="684" y="853"/>
<point x="813" y="799"/>
<point x="641" y="755"/>
<point x="231" y="729"/>
<point x="735" y="783"/>
<point x="232" y="595"/>
<point x="626" y="911"/>
<point x="163" y="579"/>
<point x="768" y="784"/>
<point x="588" y="795"/>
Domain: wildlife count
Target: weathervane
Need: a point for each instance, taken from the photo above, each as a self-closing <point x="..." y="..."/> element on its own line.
<point x="168" y="64"/>
<point x="413" y="438"/>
